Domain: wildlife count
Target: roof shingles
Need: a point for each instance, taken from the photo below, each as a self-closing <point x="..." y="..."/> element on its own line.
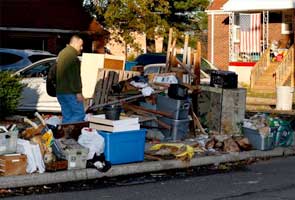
<point x="217" y="4"/>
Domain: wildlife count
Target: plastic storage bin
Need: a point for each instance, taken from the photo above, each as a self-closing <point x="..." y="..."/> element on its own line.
<point x="73" y="152"/>
<point x="179" y="128"/>
<point x="178" y="108"/>
<point x="257" y="140"/>
<point x="8" y="142"/>
<point x="124" y="147"/>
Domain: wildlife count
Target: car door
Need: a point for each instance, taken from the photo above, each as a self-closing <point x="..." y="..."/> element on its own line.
<point x="34" y="95"/>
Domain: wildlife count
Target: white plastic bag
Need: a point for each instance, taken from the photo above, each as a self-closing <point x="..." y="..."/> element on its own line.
<point x="33" y="153"/>
<point x="90" y="139"/>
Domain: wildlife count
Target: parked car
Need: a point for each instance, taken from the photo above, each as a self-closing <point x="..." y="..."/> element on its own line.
<point x="34" y="95"/>
<point x="16" y="59"/>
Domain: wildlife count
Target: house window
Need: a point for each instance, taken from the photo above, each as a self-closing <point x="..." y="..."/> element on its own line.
<point x="287" y="24"/>
<point x="236" y="30"/>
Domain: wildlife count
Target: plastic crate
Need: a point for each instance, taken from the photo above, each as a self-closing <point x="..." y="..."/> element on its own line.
<point x="179" y="128"/>
<point x="257" y="140"/>
<point x="124" y="147"/>
<point x="72" y="151"/>
<point x="8" y="142"/>
<point x="179" y="109"/>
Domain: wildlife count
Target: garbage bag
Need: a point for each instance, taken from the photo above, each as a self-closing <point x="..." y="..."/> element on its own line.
<point x="33" y="153"/>
<point x="90" y="139"/>
<point x="284" y="135"/>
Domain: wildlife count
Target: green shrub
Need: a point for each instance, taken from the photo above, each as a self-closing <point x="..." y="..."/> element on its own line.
<point x="10" y="93"/>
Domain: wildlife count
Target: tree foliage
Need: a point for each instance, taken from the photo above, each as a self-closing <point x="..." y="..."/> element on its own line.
<point x="151" y="16"/>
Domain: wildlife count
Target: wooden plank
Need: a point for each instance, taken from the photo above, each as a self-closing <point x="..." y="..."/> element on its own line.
<point x="184" y="56"/>
<point x="168" y="49"/>
<point x="102" y="127"/>
<point x="109" y="85"/>
<point x="260" y="101"/>
<point x="113" y="64"/>
<point x="99" y="85"/>
<point x="104" y="87"/>
<point x="197" y="65"/>
<point x="121" y="75"/>
<point x="100" y="119"/>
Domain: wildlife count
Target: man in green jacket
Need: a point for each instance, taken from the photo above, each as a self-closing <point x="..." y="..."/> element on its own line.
<point x="68" y="82"/>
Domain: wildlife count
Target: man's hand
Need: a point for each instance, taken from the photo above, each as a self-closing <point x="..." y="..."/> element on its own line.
<point x="80" y="97"/>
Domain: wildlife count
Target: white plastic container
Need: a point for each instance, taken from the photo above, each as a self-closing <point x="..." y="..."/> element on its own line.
<point x="284" y="97"/>
<point x="259" y="141"/>
<point x="8" y="142"/>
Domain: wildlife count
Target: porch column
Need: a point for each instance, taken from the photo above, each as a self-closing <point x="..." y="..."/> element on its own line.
<point x="231" y="35"/>
<point x="265" y="29"/>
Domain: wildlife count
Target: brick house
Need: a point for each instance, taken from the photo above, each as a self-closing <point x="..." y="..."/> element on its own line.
<point x="253" y="38"/>
<point x="47" y="25"/>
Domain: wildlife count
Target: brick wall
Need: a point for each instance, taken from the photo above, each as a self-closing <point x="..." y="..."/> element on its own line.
<point x="221" y="40"/>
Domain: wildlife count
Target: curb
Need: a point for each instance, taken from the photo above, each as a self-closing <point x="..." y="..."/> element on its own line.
<point x="135" y="168"/>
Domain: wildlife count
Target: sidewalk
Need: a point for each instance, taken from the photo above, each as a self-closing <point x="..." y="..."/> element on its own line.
<point x="134" y="168"/>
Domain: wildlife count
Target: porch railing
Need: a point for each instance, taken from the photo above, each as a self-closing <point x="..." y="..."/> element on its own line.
<point x="260" y="67"/>
<point x="285" y="71"/>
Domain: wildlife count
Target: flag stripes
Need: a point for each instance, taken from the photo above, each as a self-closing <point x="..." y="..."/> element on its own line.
<point x="250" y="33"/>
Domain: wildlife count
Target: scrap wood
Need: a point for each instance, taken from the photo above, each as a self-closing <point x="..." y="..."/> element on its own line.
<point x="168" y="50"/>
<point x="244" y="143"/>
<point x="156" y="112"/>
<point x="138" y="110"/>
<point x="196" y="120"/>
<point x="197" y="64"/>
<point x="229" y="145"/>
<point x="186" y="68"/>
<point x="93" y="108"/>
<point x="30" y="132"/>
<point x="152" y="157"/>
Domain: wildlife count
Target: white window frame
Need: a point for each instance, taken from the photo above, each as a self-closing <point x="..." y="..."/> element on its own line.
<point x="236" y="30"/>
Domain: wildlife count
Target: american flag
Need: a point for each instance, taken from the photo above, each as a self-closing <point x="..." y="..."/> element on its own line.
<point x="250" y="25"/>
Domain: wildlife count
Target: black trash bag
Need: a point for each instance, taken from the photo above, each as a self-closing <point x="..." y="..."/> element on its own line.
<point x="99" y="163"/>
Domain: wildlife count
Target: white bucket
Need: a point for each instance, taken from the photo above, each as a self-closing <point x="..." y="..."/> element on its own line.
<point x="284" y="97"/>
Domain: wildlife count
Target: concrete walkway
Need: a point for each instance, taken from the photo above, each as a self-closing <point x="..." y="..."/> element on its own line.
<point x="134" y="168"/>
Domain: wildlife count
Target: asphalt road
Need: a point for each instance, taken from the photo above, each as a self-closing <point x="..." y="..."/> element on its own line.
<point x="265" y="180"/>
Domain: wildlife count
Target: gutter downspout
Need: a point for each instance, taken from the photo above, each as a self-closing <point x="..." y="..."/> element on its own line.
<point x="212" y="38"/>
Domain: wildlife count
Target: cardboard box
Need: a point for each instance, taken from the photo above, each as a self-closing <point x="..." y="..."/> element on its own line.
<point x="124" y="147"/>
<point x="99" y="122"/>
<point x="13" y="164"/>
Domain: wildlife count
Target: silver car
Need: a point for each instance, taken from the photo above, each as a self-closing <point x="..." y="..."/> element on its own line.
<point x="16" y="59"/>
<point x="34" y="95"/>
